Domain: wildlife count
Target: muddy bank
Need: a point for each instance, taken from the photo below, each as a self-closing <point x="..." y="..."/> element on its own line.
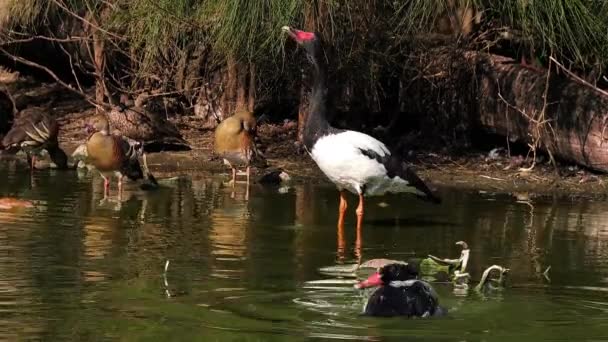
<point x="483" y="171"/>
<point x="490" y="170"/>
<point x="474" y="171"/>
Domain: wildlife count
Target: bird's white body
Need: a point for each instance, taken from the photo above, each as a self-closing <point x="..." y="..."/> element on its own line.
<point x="340" y="157"/>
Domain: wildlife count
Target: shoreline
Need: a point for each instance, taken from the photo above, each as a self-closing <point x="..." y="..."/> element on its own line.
<point x="471" y="172"/>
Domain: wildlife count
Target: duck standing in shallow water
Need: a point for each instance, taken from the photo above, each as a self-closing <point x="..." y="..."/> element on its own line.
<point x="354" y="161"/>
<point x="35" y="130"/>
<point x="153" y="131"/>
<point x="111" y="154"/>
<point x="235" y="143"/>
<point x="400" y="293"/>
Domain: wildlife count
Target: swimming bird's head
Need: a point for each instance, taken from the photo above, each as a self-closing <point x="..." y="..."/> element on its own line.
<point x="389" y="273"/>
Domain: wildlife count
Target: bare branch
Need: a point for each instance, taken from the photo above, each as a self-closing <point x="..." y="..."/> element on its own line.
<point x="84" y="20"/>
<point x="72" y="67"/>
<point x="53" y="75"/>
<point x="10" y="97"/>
<point x="577" y="78"/>
<point x="30" y="38"/>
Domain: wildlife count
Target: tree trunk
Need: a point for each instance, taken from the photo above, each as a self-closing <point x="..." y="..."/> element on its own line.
<point x="241" y="91"/>
<point x="572" y="124"/>
<point x="252" y="88"/>
<point x="98" y="52"/>
<point x="99" y="60"/>
<point x="461" y="91"/>
<point x="229" y="100"/>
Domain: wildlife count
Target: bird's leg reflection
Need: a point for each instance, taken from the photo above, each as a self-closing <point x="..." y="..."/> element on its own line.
<point x="341" y="242"/>
<point x="232" y="194"/>
<point x="167" y="292"/>
<point x="32" y="180"/>
<point x="358" y="241"/>
<point x="247" y="191"/>
<point x="120" y="188"/>
<point x="142" y="211"/>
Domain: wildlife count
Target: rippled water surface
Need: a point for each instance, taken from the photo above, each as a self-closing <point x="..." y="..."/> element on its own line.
<point x="78" y="268"/>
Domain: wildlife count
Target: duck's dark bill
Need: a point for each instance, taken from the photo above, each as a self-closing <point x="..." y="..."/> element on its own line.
<point x="373" y="280"/>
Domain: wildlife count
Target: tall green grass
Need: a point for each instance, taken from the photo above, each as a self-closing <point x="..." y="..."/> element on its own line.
<point x="361" y="31"/>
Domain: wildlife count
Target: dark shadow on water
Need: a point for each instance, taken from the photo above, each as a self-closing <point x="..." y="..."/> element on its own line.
<point x="406" y="222"/>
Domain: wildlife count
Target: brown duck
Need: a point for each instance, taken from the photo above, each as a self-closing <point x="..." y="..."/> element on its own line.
<point x="234" y="142"/>
<point x="156" y="133"/>
<point x="35" y="130"/>
<point x="111" y="153"/>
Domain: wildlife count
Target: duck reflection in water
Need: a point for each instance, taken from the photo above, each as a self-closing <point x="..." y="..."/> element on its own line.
<point x="400" y="293"/>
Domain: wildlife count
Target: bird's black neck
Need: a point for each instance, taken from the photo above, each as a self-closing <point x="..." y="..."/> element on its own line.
<point x="316" y="124"/>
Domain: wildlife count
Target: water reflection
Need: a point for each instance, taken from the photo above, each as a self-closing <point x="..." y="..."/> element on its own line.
<point x="75" y="267"/>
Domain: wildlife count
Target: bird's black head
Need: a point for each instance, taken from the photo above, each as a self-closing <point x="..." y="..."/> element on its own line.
<point x="390" y="272"/>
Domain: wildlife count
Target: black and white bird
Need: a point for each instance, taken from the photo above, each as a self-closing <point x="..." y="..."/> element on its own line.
<point x="399" y="292"/>
<point x="353" y="161"/>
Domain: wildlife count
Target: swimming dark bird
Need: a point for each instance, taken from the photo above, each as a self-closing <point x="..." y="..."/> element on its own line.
<point x="111" y="154"/>
<point x="34" y="130"/>
<point x="235" y="143"/>
<point x="353" y="161"/>
<point x="400" y="293"/>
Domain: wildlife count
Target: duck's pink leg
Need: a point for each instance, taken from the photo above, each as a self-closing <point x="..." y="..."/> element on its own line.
<point x="106" y="186"/>
<point x="33" y="163"/>
<point x="341" y="211"/>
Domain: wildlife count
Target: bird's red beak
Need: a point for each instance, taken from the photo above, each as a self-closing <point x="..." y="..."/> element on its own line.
<point x="298" y="35"/>
<point x="372" y="281"/>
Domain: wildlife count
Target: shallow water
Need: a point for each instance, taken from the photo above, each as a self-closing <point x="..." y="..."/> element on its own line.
<point x="79" y="268"/>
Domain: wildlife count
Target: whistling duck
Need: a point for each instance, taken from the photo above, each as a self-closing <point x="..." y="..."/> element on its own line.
<point x="400" y="293"/>
<point x="153" y="131"/>
<point x="234" y="142"/>
<point x="35" y="130"/>
<point x="353" y="161"/>
<point x="111" y="153"/>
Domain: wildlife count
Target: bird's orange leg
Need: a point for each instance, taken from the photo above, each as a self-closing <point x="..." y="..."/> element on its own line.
<point x="341" y="212"/>
<point x="359" y="238"/>
<point x="359" y="211"/>
<point x="342" y="208"/>
<point x="106" y="186"/>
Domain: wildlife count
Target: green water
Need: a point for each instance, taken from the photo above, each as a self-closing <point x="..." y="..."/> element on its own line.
<point x="77" y="269"/>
